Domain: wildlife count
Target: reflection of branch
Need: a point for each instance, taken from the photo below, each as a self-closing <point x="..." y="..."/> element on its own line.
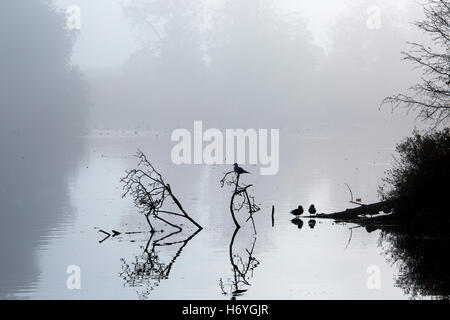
<point x="242" y="269"/>
<point x="147" y="269"/>
<point x="351" y="236"/>
<point x="349" y="239"/>
<point x="149" y="191"/>
<point x="222" y="287"/>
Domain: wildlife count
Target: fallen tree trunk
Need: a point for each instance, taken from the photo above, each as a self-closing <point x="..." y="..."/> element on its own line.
<point x="359" y="212"/>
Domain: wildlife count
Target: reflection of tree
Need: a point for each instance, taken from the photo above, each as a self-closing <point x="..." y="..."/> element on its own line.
<point x="148" y="269"/>
<point x="423" y="262"/>
<point x="242" y="265"/>
<point x="149" y="191"/>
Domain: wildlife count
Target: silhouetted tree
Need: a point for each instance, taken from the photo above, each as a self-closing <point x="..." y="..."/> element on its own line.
<point x="431" y="97"/>
<point x="419" y="180"/>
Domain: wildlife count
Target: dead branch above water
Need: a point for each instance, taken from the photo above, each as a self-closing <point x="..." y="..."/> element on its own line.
<point x="149" y="192"/>
<point x="240" y="191"/>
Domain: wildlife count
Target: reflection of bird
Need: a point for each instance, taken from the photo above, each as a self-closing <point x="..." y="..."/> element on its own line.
<point x="312" y="223"/>
<point x="298" y="222"/>
<point x="298" y="211"/>
<point x="312" y="209"/>
<point x="239" y="170"/>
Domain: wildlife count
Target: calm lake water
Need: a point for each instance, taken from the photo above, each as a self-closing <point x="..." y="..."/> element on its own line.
<point x="78" y="192"/>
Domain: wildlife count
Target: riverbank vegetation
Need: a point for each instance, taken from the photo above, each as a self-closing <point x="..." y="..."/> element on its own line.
<point x="418" y="181"/>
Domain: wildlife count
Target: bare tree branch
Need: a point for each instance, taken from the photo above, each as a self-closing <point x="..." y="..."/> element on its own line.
<point x="431" y="97"/>
<point x="149" y="192"/>
<point x="240" y="198"/>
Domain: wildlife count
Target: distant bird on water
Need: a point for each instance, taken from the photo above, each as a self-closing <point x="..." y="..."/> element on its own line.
<point x="298" y="211"/>
<point x="239" y="170"/>
<point x="312" y="209"/>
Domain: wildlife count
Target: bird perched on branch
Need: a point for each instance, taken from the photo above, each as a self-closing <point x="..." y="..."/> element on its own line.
<point x="239" y="170"/>
<point x="298" y="211"/>
<point x="312" y="210"/>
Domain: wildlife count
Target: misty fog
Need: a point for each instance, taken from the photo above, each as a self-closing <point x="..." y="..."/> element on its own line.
<point x="212" y="62"/>
<point x="43" y="109"/>
<point x="250" y="64"/>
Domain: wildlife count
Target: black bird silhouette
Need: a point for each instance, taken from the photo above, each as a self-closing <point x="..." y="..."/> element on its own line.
<point x="312" y="210"/>
<point x="298" y="211"/>
<point x="239" y="170"/>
